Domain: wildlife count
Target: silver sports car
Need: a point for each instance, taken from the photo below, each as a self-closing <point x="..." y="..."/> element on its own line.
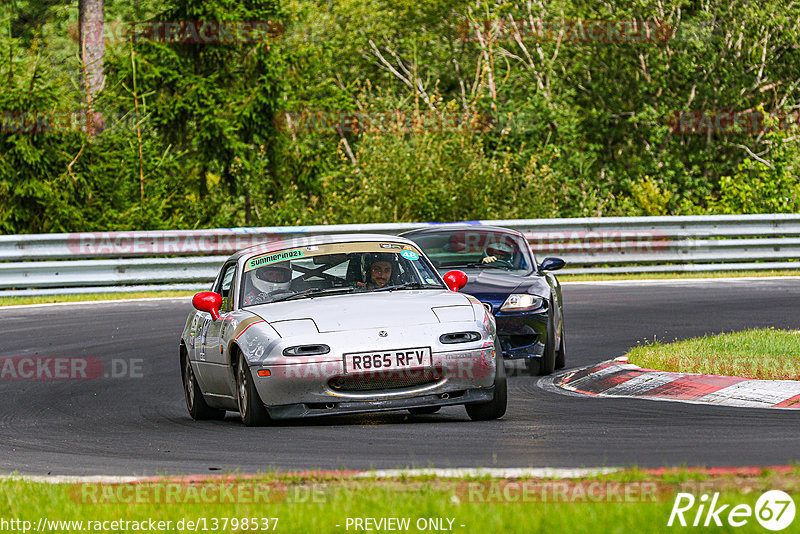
<point x="338" y="325"/>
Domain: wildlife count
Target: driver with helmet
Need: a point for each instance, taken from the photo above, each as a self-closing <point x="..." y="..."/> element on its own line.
<point x="379" y="269"/>
<point x="267" y="282"/>
<point x="498" y="251"/>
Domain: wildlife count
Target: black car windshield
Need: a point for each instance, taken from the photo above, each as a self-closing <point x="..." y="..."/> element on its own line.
<point x="479" y="248"/>
<point x="335" y="269"/>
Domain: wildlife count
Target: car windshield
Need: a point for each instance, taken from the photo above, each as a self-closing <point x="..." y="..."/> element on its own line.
<point x="335" y="269"/>
<point x="477" y="248"/>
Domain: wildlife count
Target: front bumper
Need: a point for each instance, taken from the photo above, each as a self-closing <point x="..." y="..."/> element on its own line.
<point x="302" y="410"/>
<point x="522" y="335"/>
<point x="310" y="387"/>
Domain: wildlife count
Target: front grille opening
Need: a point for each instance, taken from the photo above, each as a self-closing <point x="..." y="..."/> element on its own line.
<point x="322" y="405"/>
<point x="384" y="381"/>
<point x="519" y="341"/>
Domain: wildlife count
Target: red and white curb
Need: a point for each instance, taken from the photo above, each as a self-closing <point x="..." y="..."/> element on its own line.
<point x="618" y="378"/>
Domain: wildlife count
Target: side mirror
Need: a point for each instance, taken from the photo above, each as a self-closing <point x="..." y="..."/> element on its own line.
<point x="208" y="301"/>
<point x="552" y="264"/>
<point x="455" y="280"/>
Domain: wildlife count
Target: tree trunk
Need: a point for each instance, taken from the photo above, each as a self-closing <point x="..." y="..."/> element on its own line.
<point x="247" y="202"/>
<point x="93" y="46"/>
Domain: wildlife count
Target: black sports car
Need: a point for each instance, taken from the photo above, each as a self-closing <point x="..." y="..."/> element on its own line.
<point x="525" y="297"/>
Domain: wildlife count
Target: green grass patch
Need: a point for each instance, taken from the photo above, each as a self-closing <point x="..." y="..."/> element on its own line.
<point x="762" y="354"/>
<point x="323" y="504"/>
<point x="677" y="275"/>
<point x="47" y="299"/>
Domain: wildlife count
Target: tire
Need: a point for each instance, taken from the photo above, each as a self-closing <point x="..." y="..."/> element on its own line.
<point x="561" y="353"/>
<point x="251" y="409"/>
<point x="427" y="410"/>
<point x="548" y="361"/>
<point x="195" y="402"/>
<point x="495" y="408"/>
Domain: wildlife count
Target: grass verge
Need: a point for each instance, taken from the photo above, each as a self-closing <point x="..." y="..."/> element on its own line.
<point x="626" y="502"/>
<point x="762" y="354"/>
<point x="675" y="276"/>
<point x="47" y="299"/>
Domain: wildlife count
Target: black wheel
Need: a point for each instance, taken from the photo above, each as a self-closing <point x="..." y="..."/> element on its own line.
<point x="195" y="401"/>
<point x="495" y="408"/>
<point x="547" y="363"/>
<point x="427" y="410"/>
<point x="251" y="409"/>
<point x="561" y="353"/>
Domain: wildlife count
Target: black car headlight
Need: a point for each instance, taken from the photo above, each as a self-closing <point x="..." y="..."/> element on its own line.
<point x="517" y="302"/>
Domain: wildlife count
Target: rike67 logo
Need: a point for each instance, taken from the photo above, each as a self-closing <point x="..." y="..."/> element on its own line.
<point x="774" y="510"/>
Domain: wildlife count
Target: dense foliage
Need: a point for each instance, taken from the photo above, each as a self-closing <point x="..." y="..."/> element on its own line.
<point x="377" y="110"/>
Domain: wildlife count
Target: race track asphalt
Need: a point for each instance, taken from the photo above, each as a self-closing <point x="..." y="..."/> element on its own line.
<point x="138" y="425"/>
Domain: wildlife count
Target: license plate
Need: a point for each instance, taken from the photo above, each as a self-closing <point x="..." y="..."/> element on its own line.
<point x="387" y="360"/>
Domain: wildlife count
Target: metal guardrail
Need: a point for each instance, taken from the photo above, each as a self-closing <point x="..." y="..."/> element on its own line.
<point x="189" y="259"/>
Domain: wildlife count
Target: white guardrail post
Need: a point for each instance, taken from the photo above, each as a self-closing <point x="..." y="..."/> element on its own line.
<point x="189" y="259"/>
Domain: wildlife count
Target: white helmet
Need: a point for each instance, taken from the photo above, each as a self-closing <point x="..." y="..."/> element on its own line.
<point x="500" y="249"/>
<point x="272" y="278"/>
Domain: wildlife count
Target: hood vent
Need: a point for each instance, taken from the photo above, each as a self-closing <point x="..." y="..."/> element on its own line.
<point x="459" y="337"/>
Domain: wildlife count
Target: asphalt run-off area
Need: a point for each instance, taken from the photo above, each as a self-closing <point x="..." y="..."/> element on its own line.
<point x="127" y="415"/>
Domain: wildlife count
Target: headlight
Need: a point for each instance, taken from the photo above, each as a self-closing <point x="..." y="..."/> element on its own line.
<point x="522" y="302"/>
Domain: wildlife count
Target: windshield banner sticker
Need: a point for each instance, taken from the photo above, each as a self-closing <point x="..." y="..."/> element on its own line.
<point x="333" y="248"/>
<point x="272" y="258"/>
